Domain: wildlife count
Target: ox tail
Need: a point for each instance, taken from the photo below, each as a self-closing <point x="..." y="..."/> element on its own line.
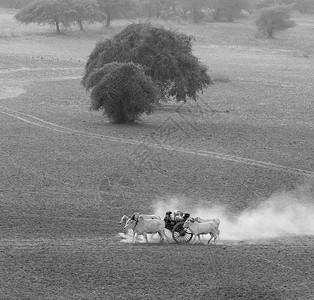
<point x="218" y="233"/>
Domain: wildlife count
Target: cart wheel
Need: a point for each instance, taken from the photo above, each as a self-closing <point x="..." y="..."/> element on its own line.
<point x="180" y="234"/>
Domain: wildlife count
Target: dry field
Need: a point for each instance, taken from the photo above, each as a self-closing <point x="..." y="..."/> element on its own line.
<point x="244" y="154"/>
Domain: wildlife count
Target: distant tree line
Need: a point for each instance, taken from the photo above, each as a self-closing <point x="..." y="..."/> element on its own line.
<point x="152" y="8"/>
<point x="78" y="12"/>
<point x="156" y="8"/>
<point x="68" y="12"/>
<point x="72" y="12"/>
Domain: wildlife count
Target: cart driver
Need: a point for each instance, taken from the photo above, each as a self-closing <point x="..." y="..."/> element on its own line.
<point x="167" y="218"/>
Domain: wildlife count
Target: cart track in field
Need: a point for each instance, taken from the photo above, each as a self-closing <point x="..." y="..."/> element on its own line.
<point x="13" y="85"/>
<point x="30" y="119"/>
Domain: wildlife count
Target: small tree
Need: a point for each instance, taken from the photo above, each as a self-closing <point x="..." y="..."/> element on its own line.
<point x="81" y="11"/>
<point x="274" y="19"/>
<point x="116" y="8"/>
<point x="165" y="55"/>
<point x="151" y="8"/>
<point x="122" y="90"/>
<point x="45" y="12"/>
<point x="229" y="9"/>
<point x="57" y="12"/>
<point x="195" y="8"/>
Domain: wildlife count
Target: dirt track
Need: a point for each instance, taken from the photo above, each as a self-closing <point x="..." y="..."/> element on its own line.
<point x="54" y="127"/>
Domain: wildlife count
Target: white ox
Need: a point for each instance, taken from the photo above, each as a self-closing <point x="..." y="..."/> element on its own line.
<point x="201" y="220"/>
<point x="125" y="218"/>
<point x="142" y="226"/>
<point x="202" y="228"/>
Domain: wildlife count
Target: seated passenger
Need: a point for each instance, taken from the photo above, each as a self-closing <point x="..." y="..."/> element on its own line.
<point x="178" y="215"/>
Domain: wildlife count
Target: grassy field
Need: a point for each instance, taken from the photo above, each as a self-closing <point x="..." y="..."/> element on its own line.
<point x="243" y="153"/>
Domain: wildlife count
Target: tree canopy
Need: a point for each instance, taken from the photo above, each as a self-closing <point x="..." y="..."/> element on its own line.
<point x="165" y="55"/>
<point x="122" y="91"/>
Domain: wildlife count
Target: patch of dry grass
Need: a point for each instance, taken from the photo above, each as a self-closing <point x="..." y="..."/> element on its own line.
<point x="220" y="77"/>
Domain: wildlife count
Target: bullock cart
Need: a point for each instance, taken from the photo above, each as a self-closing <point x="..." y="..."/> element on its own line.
<point x="174" y="223"/>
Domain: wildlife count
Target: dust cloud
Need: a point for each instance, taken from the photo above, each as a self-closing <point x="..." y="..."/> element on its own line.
<point x="283" y="214"/>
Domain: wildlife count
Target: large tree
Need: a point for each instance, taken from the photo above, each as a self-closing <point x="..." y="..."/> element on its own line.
<point x="166" y="56"/>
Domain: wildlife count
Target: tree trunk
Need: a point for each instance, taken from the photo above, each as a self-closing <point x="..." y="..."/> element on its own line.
<point x="58" y="27"/>
<point x="195" y="15"/>
<point x="270" y="33"/>
<point x="109" y="17"/>
<point x="216" y="14"/>
<point x="80" y="23"/>
<point x="108" y="21"/>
